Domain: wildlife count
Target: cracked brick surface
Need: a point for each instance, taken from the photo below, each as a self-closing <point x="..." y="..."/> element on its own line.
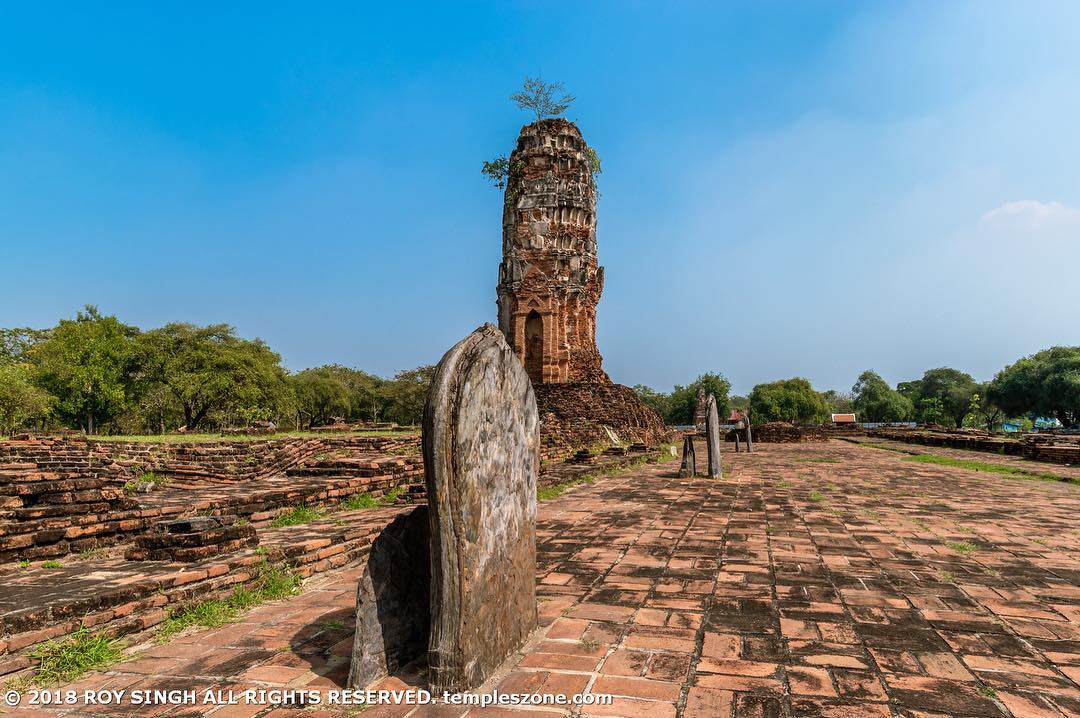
<point x="813" y="580"/>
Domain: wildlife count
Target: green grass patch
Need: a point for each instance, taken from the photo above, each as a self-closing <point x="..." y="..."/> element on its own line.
<point x="51" y="563"/>
<point x="300" y="514"/>
<point x="67" y="660"/>
<point x="988" y="467"/>
<point x="883" y="447"/>
<point x="962" y="547"/>
<point x="271" y="583"/>
<point x="367" y="501"/>
<point x="817" y="496"/>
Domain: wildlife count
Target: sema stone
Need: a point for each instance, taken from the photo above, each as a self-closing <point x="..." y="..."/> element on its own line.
<point x="688" y="470"/>
<point x="481" y="443"/>
<point x="712" y="438"/>
<point x="393" y="605"/>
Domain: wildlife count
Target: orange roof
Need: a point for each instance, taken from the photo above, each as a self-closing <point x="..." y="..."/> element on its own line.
<point x="843" y="418"/>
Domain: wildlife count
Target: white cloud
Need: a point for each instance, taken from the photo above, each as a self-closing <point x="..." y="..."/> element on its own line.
<point x="1031" y="215"/>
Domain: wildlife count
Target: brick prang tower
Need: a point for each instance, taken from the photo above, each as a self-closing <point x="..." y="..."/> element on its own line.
<point x="549" y="279"/>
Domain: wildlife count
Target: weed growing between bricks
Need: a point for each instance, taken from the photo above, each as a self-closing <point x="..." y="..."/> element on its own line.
<point x="271" y="583"/>
<point x="67" y="660"/>
<point x="304" y="514"/>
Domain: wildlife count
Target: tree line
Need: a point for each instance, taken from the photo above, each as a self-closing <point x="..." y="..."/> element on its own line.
<point x="1045" y="384"/>
<point x="96" y="374"/>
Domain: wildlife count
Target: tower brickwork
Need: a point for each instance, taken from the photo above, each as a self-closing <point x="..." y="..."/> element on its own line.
<point x="549" y="279"/>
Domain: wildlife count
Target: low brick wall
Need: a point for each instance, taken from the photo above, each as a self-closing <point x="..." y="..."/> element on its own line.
<point x="64" y="496"/>
<point x="1057" y="449"/>
<point x="45" y="605"/>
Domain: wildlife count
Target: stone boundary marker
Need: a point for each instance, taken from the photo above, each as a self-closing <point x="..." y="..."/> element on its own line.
<point x="475" y="554"/>
<point x="712" y="438"/>
<point x="688" y="469"/>
<point x="481" y="456"/>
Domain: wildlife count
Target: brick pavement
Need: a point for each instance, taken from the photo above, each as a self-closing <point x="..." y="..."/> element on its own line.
<point x="813" y="580"/>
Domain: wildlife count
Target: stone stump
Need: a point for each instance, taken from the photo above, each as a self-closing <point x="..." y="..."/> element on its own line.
<point x="712" y="438"/>
<point x="688" y="470"/>
<point x="481" y="442"/>
<point x="393" y="605"/>
<point x="749" y="436"/>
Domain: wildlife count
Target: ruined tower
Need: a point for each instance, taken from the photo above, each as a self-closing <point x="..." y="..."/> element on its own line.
<point x="549" y="279"/>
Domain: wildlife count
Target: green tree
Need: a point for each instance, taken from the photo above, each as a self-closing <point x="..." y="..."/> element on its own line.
<point x="739" y="403"/>
<point x="406" y="394"/>
<point x="875" y="400"/>
<point x="655" y="400"/>
<point x="545" y="99"/>
<point x="87" y="365"/>
<point x="943" y="394"/>
<point x="1046" y="383"/>
<point x="319" y="396"/>
<point x="367" y="392"/>
<point x="16" y="343"/>
<point x="683" y="400"/>
<point x="792" y="400"/>
<point x="211" y="370"/>
<point x="840" y="402"/>
<point x="989" y="414"/>
<point x="20" y="399"/>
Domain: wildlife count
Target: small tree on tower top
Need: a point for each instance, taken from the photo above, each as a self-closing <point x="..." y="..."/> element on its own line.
<point x="540" y="97"/>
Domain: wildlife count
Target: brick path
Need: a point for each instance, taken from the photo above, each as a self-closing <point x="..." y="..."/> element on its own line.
<point x="813" y="580"/>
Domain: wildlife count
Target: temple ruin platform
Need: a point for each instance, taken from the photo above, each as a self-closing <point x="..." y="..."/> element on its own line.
<point x="823" y="579"/>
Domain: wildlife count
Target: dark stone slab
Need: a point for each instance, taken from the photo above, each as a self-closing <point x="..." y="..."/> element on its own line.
<point x="393" y="604"/>
<point x="688" y="470"/>
<point x="481" y="458"/>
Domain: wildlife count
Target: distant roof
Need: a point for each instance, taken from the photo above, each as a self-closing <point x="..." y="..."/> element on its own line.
<point x="843" y="418"/>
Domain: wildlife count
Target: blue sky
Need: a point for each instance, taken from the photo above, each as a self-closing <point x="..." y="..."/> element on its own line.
<point x="796" y="188"/>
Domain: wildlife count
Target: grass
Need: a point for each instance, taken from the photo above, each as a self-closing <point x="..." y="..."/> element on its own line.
<point x="883" y="447"/>
<point x="817" y="496"/>
<point x="25" y="563"/>
<point x="988" y="691"/>
<point x="948" y="577"/>
<point x="51" y="563"/>
<point x="65" y="661"/>
<point x="367" y="501"/>
<point x="962" y="547"/>
<point x="589" y="644"/>
<point x="271" y="583"/>
<point x="132" y="487"/>
<point x="988" y="467"/>
<point x="296" y="515"/>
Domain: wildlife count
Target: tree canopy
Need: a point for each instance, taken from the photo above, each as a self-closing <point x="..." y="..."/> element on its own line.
<point x="210" y="369"/>
<point x="1046" y="384"/>
<point x="942" y="395"/>
<point x="791" y="400"/>
<point x="87" y="365"/>
<point x="875" y="400"/>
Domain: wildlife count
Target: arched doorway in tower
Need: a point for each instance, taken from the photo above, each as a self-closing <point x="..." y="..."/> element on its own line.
<point x="534" y="347"/>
